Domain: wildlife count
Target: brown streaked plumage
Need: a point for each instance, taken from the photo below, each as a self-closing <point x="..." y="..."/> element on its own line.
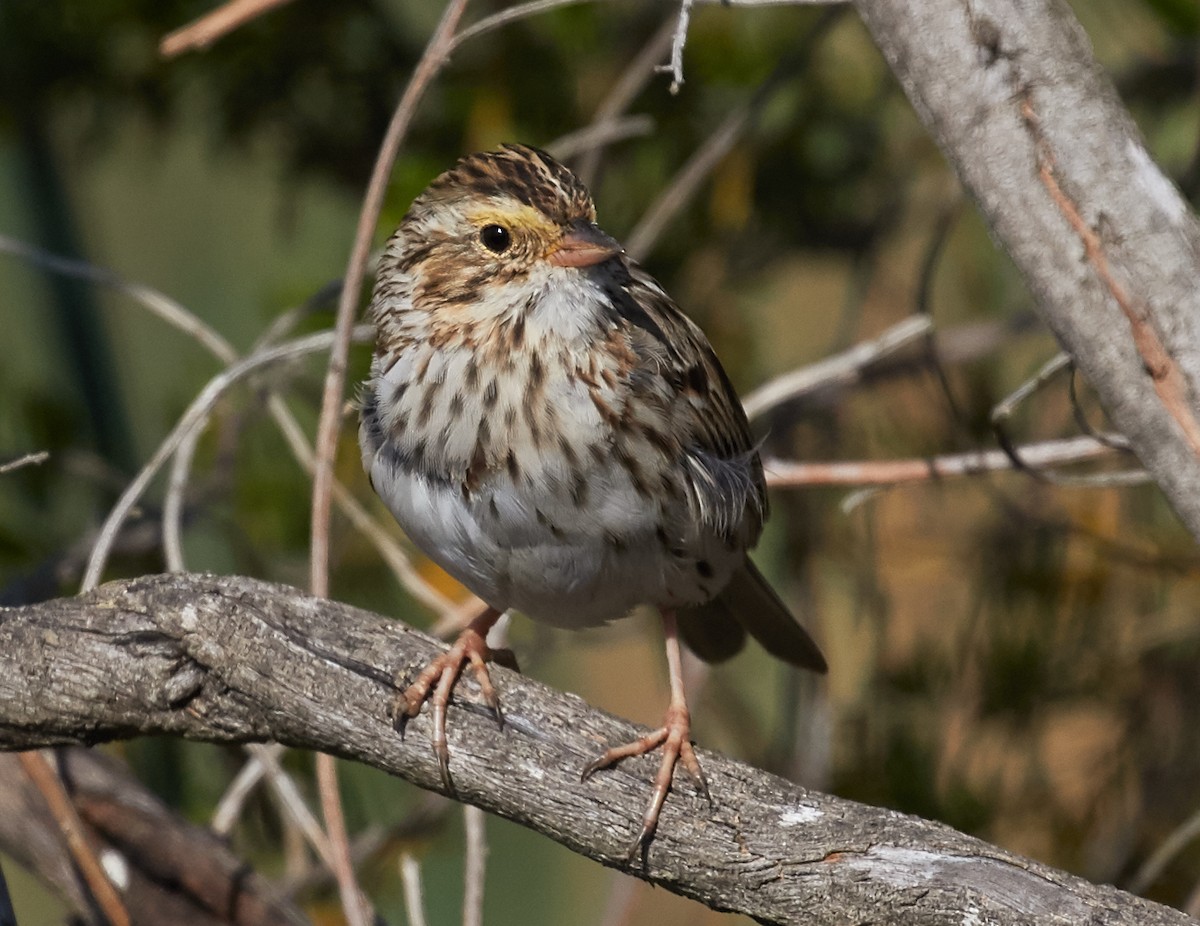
<point x="548" y="426"/>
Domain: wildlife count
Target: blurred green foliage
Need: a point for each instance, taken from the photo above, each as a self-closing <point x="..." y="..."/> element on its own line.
<point x="1016" y="659"/>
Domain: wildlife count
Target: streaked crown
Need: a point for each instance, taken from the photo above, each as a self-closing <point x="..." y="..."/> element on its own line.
<point x="527" y="174"/>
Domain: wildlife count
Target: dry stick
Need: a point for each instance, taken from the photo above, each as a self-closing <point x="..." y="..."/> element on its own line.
<point x="598" y="135"/>
<point x="431" y="61"/>
<point x="711" y="153"/>
<point x="229" y="805"/>
<point x="45" y="778"/>
<point x="1175" y="843"/>
<point x="410" y="881"/>
<point x="197" y="411"/>
<point x="679" y="31"/>
<point x="358" y="909"/>
<point x="623" y="92"/>
<point x="436" y="51"/>
<point x="475" y="865"/>
<point x="263" y="763"/>
<point x="184" y="320"/>
<point x="1003" y="411"/>
<point x="177" y="483"/>
<point x="788" y="474"/>
<point x="170" y="311"/>
<point x="1168" y="379"/>
<point x="208" y="28"/>
<point x="842" y="369"/>
<point x="675" y="66"/>
<point x="504" y="17"/>
<point x="29" y="459"/>
<point x="685" y="183"/>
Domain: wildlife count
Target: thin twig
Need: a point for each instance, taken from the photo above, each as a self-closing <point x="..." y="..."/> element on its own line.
<point x="598" y="135"/>
<point x="787" y="474"/>
<point x="510" y="15"/>
<point x="678" y="40"/>
<point x="263" y="763"/>
<point x="623" y="92"/>
<point x="841" y="369"/>
<point x="1003" y="411"/>
<point x="1179" y="839"/>
<point x="30" y="459"/>
<point x="327" y="430"/>
<point x="414" y="898"/>
<point x="199" y="409"/>
<point x="685" y="183"/>
<point x="177" y="483"/>
<point x="355" y="904"/>
<point x="328" y="426"/>
<point x="46" y="780"/>
<point x="166" y="308"/>
<point x="712" y="152"/>
<point x="230" y="804"/>
<point x="475" y="865"/>
<point x="208" y="28"/>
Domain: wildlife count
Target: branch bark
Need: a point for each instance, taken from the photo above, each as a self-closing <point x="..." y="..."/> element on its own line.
<point x="1012" y="95"/>
<point x="227" y="659"/>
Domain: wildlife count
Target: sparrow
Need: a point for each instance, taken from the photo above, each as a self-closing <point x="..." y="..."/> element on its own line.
<point x="548" y="427"/>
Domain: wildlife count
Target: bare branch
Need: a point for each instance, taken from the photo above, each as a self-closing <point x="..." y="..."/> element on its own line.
<point x="1180" y="838"/>
<point x="842" y="369"/>
<point x="166" y="308"/>
<point x="195" y="415"/>
<point x="234" y="660"/>
<point x="678" y="40"/>
<point x="597" y="135"/>
<point x="702" y="162"/>
<point x="622" y="92"/>
<point x="208" y="28"/>
<point x="410" y="878"/>
<point x="475" y="866"/>
<point x="436" y="52"/>
<point x="29" y="459"/>
<point x="511" y="15"/>
<point x="1033" y="459"/>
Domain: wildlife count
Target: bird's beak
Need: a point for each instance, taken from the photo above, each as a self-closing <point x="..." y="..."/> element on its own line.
<point x="583" y="245"/>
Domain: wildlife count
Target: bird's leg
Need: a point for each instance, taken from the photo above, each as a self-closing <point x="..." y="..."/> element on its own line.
<point x="470" y="647"/>
<point x="674" y="736"/>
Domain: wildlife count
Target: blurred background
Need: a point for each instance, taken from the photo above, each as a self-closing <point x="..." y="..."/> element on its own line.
<point x="1015" y="658"/>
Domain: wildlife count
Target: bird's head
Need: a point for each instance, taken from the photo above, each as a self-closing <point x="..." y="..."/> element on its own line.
<point x="494" y="218"/>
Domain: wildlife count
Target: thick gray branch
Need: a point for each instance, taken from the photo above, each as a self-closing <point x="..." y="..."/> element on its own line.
<point x="235" y="660"/>
<point x="1012" y="95"/>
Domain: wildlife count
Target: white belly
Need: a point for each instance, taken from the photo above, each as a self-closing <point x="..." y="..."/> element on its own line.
<point x="557" y="569"/>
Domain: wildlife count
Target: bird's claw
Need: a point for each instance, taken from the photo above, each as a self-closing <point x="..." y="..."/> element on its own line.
<point x="435" y="684"/>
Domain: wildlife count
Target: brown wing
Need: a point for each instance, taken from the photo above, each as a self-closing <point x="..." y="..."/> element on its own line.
<point x="725" y="479"/>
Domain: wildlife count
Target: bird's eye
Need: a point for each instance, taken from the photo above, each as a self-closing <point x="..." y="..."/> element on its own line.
<point x="495" y="238"/>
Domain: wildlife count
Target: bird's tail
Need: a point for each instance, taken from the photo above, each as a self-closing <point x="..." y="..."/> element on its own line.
<point x="717" y="630"/>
